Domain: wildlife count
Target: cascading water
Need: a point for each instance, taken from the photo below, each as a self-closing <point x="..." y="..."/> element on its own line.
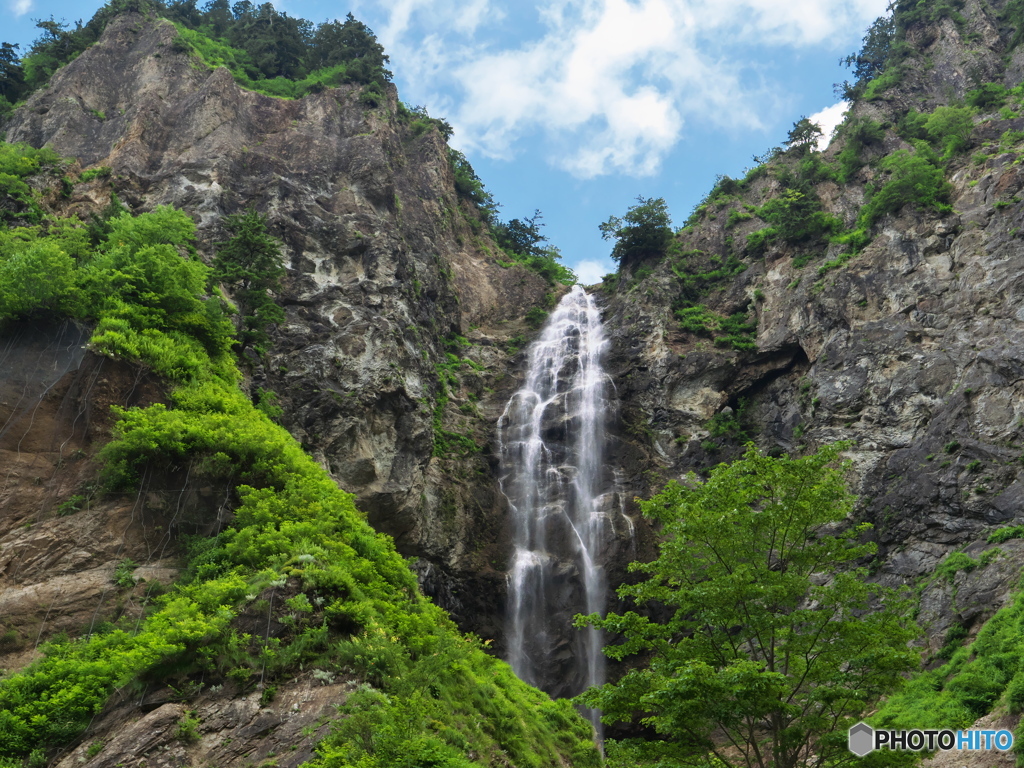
<point x="562" y="500"/>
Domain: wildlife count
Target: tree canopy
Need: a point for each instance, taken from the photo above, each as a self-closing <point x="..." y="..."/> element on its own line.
<point x="774" y="642"/>
<point x="249" y="263"/>
<point x="803" y="135"/>
<point x="267" y="43"/>
<point x="644" y="231"/>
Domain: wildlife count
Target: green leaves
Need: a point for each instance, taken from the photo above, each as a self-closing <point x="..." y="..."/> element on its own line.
<point x="914" y="178"/>
<point x="249" y="263"/>
<point x="645" y="231"/>
<point x="21" y="288"/>
<point x="951" y="128"/>
<point x="774" y="638"/>
<point x="354" y="604"/>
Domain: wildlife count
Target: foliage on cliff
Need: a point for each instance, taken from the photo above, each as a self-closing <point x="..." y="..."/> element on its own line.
<point x="775" y="645"/>
<point x="918" y="157"/>
<point x="266" y="50"/>
<point x="352" y="607"/>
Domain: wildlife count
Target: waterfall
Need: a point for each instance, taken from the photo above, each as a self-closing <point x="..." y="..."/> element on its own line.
<point x="561" y="499"/>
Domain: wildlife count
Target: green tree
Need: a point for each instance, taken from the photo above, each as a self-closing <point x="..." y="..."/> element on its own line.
<point x="645" y="230"/>
<point x="804" y="135"/>
<point x="470" y="186"/>
<point x="249" y="263"/>
<point x="870" y="61"/>
<point x="795" y="216"/>
<point x="774" y="643"/>
<point x="12" y="76"/>
<point x="914" y="178"/>
<point x="522" y="236"/>
<point x="352" y="43"/>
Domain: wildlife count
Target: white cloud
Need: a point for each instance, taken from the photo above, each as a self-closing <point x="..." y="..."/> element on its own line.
<point x="589" y="272"/>
<point x="20" y="7"/>
<point x="790" y="22"/>
<point x="609" y="84"/>
<point x="827" y="119"/>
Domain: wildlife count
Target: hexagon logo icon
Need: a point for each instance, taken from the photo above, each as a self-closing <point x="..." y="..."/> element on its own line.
<point x="861" y="739"/>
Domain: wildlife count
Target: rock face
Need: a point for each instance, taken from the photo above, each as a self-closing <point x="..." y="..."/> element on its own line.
<point x="386" y="277"/>
<point x="220" y="727"/>
<point x="404" y="340"/>
<point x="911" y="350"/>
<point x="70" y="561"/>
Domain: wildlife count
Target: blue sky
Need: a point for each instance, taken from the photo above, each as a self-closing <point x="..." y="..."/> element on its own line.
<point x="576" y="107"/>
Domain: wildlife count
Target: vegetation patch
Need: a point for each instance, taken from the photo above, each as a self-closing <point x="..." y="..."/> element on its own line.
<point x="345" y="598"/>
<point x="736" y="331"/>
<point x="757" y="654"/>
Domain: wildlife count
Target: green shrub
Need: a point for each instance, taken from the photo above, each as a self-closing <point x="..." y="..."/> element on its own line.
<point x="952" y="642"/>
<point x="1005" y="534"/>
<point x="535" y="317"/>
<point x="989" y="96"/>
<point x="738" y="332"/>
<point x="699" y="273"/>
<point x="796" y="217"/>
<point x="123" y="573"/>
<point x="731" y="425"/>
<point x="735" y="331"/>
<point x="950" y="127"/>
<point x="1015" y="694"/>
<point x="188" y="728"/>
<point x="914" y="178"/>
<point x="857" y="135"/>
<point x="758" y="241"/>
<point x="72" y="505"/>
<point x="102" y="172"/>
<point x="888" y="80"/>
<point x="976" y="690"/>
<point x="736" y="216"/>
<point x="954" y="564"/>
<point x="698" y="320"/>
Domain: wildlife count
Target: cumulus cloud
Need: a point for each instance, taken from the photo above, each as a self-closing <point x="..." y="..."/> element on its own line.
<point x="20" y="7"/>
<point x="827" y="119"/>
<point x="609" y="84"/>
<point x="589" y="272"/>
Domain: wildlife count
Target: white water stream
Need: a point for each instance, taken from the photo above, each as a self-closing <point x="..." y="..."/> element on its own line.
<point x="560" y="492"/>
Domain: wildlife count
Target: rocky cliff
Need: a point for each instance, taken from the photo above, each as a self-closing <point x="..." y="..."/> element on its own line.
<point x="909" y="347"/>
<point x="389" y="274"/>
<point x="404" y="336"/>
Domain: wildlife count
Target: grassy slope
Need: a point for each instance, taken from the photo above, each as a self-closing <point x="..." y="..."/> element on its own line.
<point x="431" y="695"/>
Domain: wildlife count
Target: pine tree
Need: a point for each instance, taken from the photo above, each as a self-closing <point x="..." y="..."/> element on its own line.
<point x="249" y="264"/>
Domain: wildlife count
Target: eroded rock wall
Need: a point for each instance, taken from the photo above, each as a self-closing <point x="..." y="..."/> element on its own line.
<point x="913" y="350"/>
<point x="389" y="272"/>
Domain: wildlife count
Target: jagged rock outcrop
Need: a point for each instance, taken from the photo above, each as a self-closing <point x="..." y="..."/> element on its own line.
<point x="911" y="350"/>
<point x="385" y="276"/>
<point x="220" y="726"/>
<point x="71" y="560"/>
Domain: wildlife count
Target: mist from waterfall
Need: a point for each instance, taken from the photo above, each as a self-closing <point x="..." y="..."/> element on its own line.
<point x="552" y="439"/>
